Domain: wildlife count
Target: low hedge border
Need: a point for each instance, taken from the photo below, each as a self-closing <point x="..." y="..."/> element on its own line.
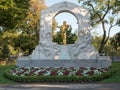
<point x="38" y="79"/>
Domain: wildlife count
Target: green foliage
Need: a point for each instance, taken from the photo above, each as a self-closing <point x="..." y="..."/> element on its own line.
<point x="31" y="22"/>
<point x="3" y="80"/>
<point x="5" y="52"/>
<point x="57" y="38"/>
<point x="96" y="42"/>
<point x="71" y="37"/>
<point x="115" y="44"/>
<point x="115" y="41"/>
<point x="19" y="25"/>
<point x="12" y="12"/>
<point x="108" y="49"/>
<point x="25" y="42"/>
<point x="29" y="36"/>
<point x="23" y="4"/>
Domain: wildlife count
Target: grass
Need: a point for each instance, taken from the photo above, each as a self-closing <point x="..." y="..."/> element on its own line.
<point x="3" y="80"/>
<point x="116" y="76"/>
<point x="114" y="79"/>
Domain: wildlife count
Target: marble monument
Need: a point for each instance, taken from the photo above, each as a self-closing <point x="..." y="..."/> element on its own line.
<point x="49" y="53"/>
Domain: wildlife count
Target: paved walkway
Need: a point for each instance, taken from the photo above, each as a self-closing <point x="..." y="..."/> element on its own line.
<point x="61" y="87"/>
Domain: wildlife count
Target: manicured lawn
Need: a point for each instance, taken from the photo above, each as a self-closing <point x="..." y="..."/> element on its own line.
<point x="114" y="79"/>
<point x="3" y="80"/>
<point x="116" y="76"/>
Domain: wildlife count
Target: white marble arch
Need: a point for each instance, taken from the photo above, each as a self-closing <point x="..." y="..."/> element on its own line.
<point x="47" y="49"/>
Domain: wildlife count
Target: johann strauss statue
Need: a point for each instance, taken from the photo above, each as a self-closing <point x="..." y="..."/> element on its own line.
<point x="63" y="29"/>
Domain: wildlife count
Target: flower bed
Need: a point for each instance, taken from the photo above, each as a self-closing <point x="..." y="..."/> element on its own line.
<point x="58" y="74"/>
<point x="35" y="71"/>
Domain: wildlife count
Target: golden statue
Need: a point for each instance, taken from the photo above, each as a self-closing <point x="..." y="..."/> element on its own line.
<point x="63" y="29"/>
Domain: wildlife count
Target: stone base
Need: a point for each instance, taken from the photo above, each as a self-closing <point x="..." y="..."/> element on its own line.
<point x="101" y="62"/>
<point x="64" y="53"/>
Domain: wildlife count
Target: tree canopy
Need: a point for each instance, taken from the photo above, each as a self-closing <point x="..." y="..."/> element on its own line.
<point x="103" y="12"/>
<point x="19" y="26"/>
<point x="115" y="41"/>
<point x="12" y="12"/>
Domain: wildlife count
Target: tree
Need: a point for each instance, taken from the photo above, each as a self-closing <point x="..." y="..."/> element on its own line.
<point x="31" y="23"/>
<point x="71" y="37"/>
<point x="110" y="47"/>
<point x="4" y="51"/>
<point x="96" y="43"/>
<point x="103" y="12"/>
<point x="115" y="41"/>
<point x="12" y="12"/>
<point x="30" y="28"/>
<point x="25" y="43"/>
<point x="6" y="44"/>
<point x="19" y="26"/>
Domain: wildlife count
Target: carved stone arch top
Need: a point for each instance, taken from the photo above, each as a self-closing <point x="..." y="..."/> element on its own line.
<point x="81" y="14"/>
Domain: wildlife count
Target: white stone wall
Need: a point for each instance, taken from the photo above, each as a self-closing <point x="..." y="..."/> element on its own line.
<point x="98" y="63"/>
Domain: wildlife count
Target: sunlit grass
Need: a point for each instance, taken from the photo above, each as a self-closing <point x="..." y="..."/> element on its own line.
<point x="3" y="80"/>
<point x="116" y="76"/>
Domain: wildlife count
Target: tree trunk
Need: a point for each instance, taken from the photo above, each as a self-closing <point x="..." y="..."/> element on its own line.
<point x="103" y="39"/>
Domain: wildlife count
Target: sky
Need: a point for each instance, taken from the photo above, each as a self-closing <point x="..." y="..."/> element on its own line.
<point x="71" y="20"/>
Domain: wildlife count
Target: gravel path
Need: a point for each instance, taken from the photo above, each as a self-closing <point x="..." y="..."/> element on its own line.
<point x="61" y="87"/>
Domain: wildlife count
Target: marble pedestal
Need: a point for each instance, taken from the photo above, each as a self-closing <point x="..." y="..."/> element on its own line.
<point x="64" y="53"/>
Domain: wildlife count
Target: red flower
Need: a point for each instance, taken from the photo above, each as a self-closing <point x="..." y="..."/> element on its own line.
<point x="83" y="68"/>
<point x="53" y="72"/>
<point x="92" y="68"/>
<point x="79" y="73"/>
<point x="66" y="72"/>
<point x="90" y="72"/>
